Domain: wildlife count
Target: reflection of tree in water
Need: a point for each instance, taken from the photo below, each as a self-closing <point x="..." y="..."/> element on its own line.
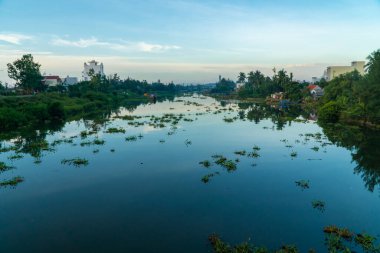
<point x="364" y="145"/>
<point x="279" y="117"/>
<point x="32" y="140"/>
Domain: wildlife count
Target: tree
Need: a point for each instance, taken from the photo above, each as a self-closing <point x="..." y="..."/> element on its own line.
<point x="26" y="73"/>
<point x="241" y="78"/>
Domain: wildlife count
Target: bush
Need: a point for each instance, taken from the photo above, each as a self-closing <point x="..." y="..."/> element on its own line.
<point x="330" y="112"/>
<point x="10" y="118"/>
<point x="56" y="110"/>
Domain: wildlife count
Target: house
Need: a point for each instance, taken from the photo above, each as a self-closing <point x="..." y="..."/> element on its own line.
<point x="335" y="71"/>
<point x="315" y="90"/>
<point x="67" y="81"/>
<point x="95" y="67"/>
<point x="277" y="96"/>
<point x="51" y="81"/>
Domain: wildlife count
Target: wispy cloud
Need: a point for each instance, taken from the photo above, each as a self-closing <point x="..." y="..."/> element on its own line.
<point x="14" y="38"/>
<point x="121" y="46"/>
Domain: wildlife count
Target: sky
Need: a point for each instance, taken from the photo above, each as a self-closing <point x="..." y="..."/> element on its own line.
<point x="188" y="41"/>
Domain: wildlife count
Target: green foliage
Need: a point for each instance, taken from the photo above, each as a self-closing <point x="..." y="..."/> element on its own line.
<point x="224" y="86"/>
<point x="258" y="85"/>
<point x="329" y="112"/>
<point x="26" y="73"/>
<point x="356" y="97"/>
<point x="56" y="110"/>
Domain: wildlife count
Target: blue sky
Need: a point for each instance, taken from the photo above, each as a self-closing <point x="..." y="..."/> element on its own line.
<point x="189" y="41"/>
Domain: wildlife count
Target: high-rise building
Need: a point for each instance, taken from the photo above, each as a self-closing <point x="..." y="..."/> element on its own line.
<point x="92" y="65"/>
<point x="335" y="71"/>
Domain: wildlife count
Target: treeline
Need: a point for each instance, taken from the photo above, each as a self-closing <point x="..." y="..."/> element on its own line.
<point x="352" y="97"/>
<point x="256" y="85"/>
<point x="39" y="104"/>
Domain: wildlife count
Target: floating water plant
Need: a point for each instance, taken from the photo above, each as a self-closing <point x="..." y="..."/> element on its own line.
<point x="254" y="154"/>
<point x="303" y="184"/>
<point x="241" y="152"/>
<point x="95" y="151"/>
<point x="98" y="142"/>
<point x="37" y="162"/>
<point x="319" y="205"/>
<point x="205" y="179"/>
<point x="112" y="150"/>
<point x="188" y="142"/>
<point x="205" y="163"/>
<point x="229" y="165"/>
<point x="228" y="120"/>
<point x="114" y="130"/>
<point x="293" y="154"/>
<point x="131" y="138"/>
<point x="15" y="157"/>
<point x="4" y="167"/>
<point x="316" y="149"/>
<point x="256" y="148"/>
<point x="12" y="182"/>
<point x="162" y="141"/>
<point x="220" y="160"/>
<point x="77" y="162"/>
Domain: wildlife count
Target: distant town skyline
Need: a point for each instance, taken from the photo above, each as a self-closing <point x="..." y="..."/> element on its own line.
<point x="188" y="41"/>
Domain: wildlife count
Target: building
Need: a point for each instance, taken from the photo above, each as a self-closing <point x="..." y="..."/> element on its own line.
<point x="277" y="96"/>
<point x="52" y="81"/>
<point x="92" y="65"/>
<point x="315" y="90"/>
<point x="335" y="71"/>
<point x="67" y="81"/>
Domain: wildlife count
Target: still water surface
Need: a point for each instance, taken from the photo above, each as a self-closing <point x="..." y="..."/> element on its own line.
<point x="146" y="195"/>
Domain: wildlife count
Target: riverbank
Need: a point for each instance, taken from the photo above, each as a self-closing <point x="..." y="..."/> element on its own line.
<point x="45" y="108"/>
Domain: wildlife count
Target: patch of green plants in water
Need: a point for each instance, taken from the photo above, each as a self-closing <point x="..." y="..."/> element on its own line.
<point x="94" y="142"/>
<point x="337" y="240"/>
<point x="85" y="134"/>
<point x="256" y="148"/>
<point x="341" y="240"/>
<point x="15" y="157"/>
<point x="319" y="205"/>
<point x="114" y="130"/>
<point x="241" y="152"/>
<point x="188" y="142"/>
<point x="219" y="246"/>
<point x="303" y="184"/>
<point x="77" y="162"/>
<point x="316" y="149"/>
<point x="4" y="167"/>
<point x="254" y="154"/>
<point x="131" y="138"/>
<point x="228" y="164"/>
<point x="228" y="120"/>
<point x="293" y="154"/>
<point x="205" y="179"/>
<point x="12" y="182"/>
<point x="7" y="149"/>
<point x="205" y="163"/>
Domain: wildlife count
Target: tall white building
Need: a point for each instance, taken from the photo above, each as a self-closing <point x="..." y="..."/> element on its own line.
<point x="94" y="65"/>
<point x="335" y="71"/>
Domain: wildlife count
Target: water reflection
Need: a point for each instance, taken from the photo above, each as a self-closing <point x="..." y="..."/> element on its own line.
<point x="364" y="145"/>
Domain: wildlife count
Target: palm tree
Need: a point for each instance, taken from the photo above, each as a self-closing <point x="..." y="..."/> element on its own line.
<point x="241" y="78"/>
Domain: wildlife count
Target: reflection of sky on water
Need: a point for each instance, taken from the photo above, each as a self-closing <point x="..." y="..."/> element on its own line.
<point x="147" y="196"/>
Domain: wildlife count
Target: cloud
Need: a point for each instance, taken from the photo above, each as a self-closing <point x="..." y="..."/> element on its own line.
<point x="122" y="46"/>
<point x="14" y="38"/>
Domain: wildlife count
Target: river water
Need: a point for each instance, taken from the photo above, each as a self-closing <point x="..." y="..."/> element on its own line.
<point x="142" y="189"/>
